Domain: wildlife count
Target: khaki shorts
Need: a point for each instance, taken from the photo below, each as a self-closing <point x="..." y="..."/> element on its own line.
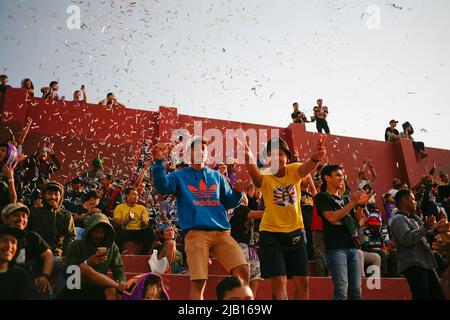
<point x="200" y="244"/>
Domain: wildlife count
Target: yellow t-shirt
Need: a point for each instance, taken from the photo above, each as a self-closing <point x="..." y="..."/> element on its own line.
<point x="282" y="197"/>
<point x="122" y="210"/>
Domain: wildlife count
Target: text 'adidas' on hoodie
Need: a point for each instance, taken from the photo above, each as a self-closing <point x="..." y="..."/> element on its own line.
<point x="203" y="196"/>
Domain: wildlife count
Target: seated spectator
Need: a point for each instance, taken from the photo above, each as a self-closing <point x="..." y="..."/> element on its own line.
<point x="80" y="95"/>
<point x="4" y="83"/>
<point x="147" y="286"/>
<point x="96" y="254"/>
<point x="36" y="199"/>
<point x="233" y="288"/>
<point x="41" y="165"/>
<point x="35" y="255"/>
<point x="131" y="222"/>
<point x="89" y="205"/>
<point x="111" y="101"/>
<point x="15" y="282"/>
<point x="52" y="92"/>
<point x="110" y="196"/>
<point x="168" y="212"/>
<point x="298" y="116"/>
<point x="55" y="226"/>
<point x="28" y="84"/>
<point x="91" y="178"/>
<point x="73" y="197"/>
<point x="168" y="248"/>
<point x="389" y="206"/>
<point x="243" y="231"/>
<point x="407" y="133"/>
<point x="391" y="134"/>
<point x="416" y="260"/>
<point x="375" y="238"/>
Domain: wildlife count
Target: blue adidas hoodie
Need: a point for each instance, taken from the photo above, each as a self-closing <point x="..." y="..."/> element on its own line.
<point x="203" y="196"/>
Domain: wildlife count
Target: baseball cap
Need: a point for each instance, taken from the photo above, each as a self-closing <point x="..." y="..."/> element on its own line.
<point x="16" y="233"/>
<point x="164" y="226"/>
<point x="280" y="143"/>
<point x="374" y="219"/>
<point x="393" y="121"/>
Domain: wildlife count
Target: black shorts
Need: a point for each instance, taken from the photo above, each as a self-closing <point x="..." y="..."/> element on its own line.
<point x="279" y="256"/>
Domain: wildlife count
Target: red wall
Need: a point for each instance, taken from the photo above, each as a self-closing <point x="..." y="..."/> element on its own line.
<point x="81" y="131"/>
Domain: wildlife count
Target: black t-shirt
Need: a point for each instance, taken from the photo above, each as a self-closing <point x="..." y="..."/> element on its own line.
<point x="298" y="117"/>
<point x="15" y="284"/>
<point x="31" y="249"/>
<point x="388" y="131"/>
<point x="241" y="227"/>
<point x="3" y="88"/>
<point x="335" y="236"/>
<point x="307" y="204"/>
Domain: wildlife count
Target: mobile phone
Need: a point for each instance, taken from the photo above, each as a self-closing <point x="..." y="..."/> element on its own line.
<point x="101" y="251"/>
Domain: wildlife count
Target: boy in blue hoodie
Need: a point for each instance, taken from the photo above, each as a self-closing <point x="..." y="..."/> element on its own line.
<point x="203" y="198"/>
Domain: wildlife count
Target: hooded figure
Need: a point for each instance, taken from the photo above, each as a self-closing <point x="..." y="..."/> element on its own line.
<point x="80" y="251"/>
<point x="54" y="224"/>
<point x="138" y="288"/>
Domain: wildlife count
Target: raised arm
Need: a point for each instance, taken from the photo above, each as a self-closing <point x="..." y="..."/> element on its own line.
<point x="250" y="163"/>
<point x="163" y="184"/>
<point x="25" y="131"/>
<point x="9" y="173"/>
<point x="315" y="158"/>
<point x="142" y="173"/>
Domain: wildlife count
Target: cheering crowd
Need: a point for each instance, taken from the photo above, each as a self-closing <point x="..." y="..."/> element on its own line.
<point x="266" y="227"/>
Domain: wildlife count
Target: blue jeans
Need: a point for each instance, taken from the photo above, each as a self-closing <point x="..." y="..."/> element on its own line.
<point x="345" y="270"/>
<point x="58" y="269"/>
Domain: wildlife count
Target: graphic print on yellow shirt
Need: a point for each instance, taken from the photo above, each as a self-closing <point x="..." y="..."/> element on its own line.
<point x="282" y="199"/>
<point x="136" y="212"/>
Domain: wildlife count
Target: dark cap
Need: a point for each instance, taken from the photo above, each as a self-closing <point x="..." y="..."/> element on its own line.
<point x="280" y="143"/>
<point x="16" y="233"/>
<point x="393" y="121"/>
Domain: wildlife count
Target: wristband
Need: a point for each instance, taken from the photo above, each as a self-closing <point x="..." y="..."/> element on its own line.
<point x="45" y="275"/>
<point x="315" y="161"/>
<point x="10" y="180"/>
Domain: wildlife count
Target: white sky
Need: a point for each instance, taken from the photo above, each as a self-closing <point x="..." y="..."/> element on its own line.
<point x="204" y="57"/>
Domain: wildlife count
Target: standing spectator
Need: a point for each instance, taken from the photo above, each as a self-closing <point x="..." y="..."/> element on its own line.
<point x="396" y="185"/>
<point x="91" y="178"/>
<point x="8" y="185"/>
<point x="28" y="84"/>
<point x="111" y="101"/>
<point x="363" y="181"/>
<point x="203" y="198"/>
<point x="4" y="83"/>
<point x="73" y="197"/>
<point x="282" y="238"/>
<point x="80" y="95"/>
<point x="407" y="133"/>
<point x="233" y="288"/>
<point x="298" y="116"/>
<point x="307" y="202"/>
<point x="243" y="231"/>
<point x="110" y="196"/>
<point x="131" y="222"/>
<point x="340" y="231"/>
<point x="415" y="258"/>
<point x="52" y="92"/>
<point x="35" y="255"/>
<point x="318" y="244"/>
<point x="391" y="134"/>
<point x="15" y="282"/>
<point x="320" y="115"/>
<point x="389" y="206"/>
<point x="39" y="167"/>
<point x="96" y="254"/>
<point x="168" y="248"/>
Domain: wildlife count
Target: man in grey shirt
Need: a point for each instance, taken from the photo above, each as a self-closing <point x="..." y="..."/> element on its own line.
<point x="415" y="258"/>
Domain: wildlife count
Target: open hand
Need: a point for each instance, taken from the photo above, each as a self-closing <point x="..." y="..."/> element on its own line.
<point x="162" y="150"/>
<point x="241" y="186"/>
<point x="320" y="151"/>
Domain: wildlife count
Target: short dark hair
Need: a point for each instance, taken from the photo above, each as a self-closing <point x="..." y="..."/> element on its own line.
<point x="228" y="284"/>
<point x="400" y="195"/>
<point x="294" y="104"/>
<point x="129" y="189"/>
<point x="76" y="180"/>
<point x="90" y="195"/>
<point x="3" y="76"/>
<point x="52" y="83"/>
<point x="386" y="196"/>
<point x="109" y="94"/>
<point x="328" y="170"/>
